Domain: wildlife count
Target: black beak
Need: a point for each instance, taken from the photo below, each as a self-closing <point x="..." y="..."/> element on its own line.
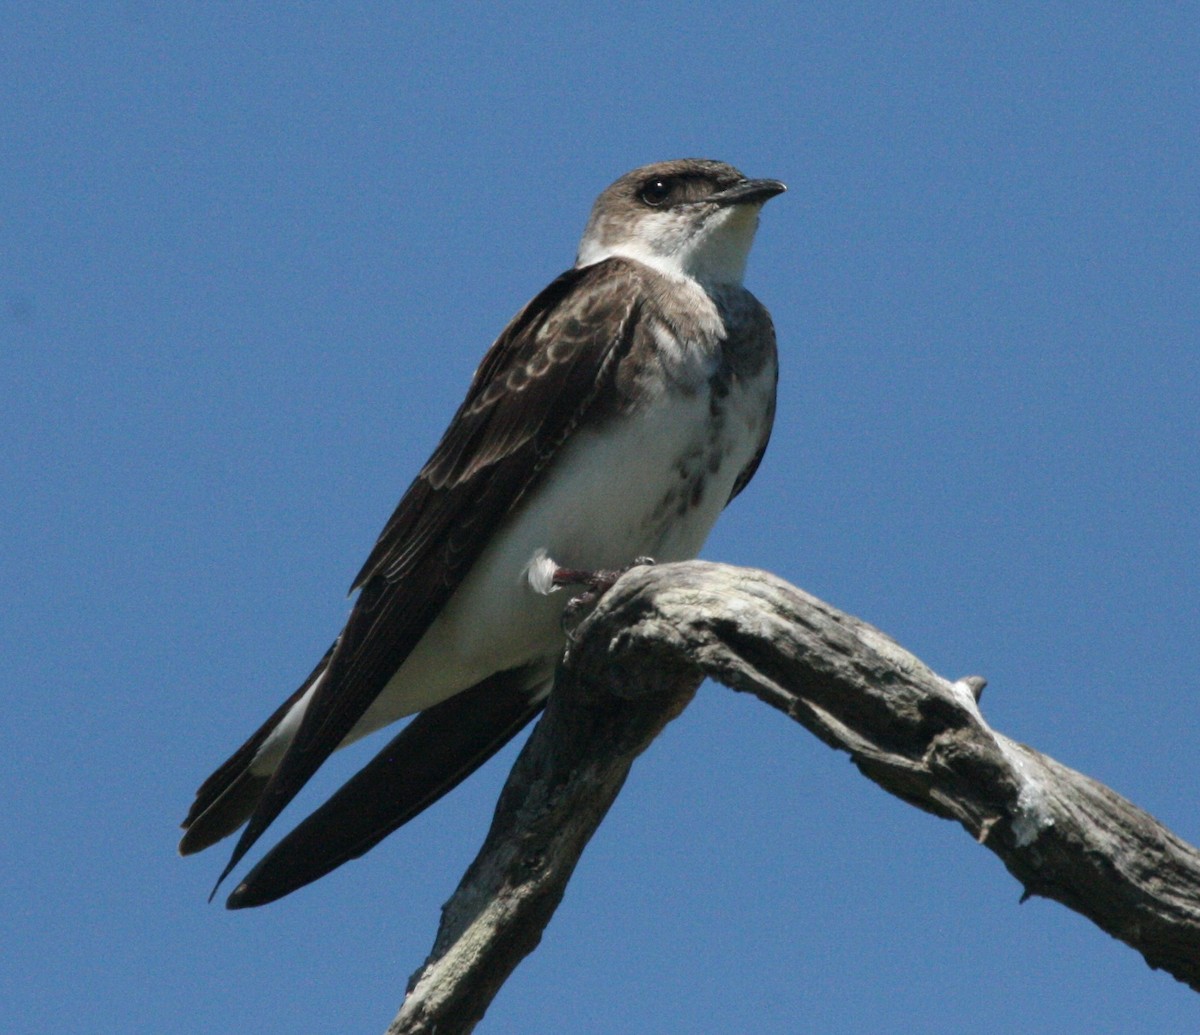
<point x="747" y="192"/>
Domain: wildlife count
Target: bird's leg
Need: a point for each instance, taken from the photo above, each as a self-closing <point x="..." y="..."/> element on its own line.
<point x="596" y="584"/>
<point x="599" y="581"/>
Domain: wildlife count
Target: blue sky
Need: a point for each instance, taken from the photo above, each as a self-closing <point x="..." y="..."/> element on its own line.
<point x="249" y="258"/>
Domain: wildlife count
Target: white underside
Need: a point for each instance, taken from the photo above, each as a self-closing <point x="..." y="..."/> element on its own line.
<point x="712" y="252"/>
<point x="600" y="506"/>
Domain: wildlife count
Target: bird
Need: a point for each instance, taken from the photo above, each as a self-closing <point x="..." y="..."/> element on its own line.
<point x="613" y="419"/>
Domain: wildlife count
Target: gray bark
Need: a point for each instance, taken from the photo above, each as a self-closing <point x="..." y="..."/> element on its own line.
<point x="635" y="663"/>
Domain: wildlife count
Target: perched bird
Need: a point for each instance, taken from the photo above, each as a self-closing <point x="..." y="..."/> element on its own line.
<point x="614" y="417"/>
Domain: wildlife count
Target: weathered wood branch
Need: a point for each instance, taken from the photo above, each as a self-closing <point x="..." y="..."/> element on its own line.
<point x="637" y="661"/>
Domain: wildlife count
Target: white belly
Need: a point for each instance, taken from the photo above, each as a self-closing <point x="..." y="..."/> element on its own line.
<point x="650" y="484"/>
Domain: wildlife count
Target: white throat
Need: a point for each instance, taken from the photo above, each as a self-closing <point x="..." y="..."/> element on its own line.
<point x="712" y="252"/>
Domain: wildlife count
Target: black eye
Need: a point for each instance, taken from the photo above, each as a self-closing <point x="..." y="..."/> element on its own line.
<point x="655" y="192"/>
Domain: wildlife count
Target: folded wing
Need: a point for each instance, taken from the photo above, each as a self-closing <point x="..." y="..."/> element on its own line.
<point x="552" y="368"/>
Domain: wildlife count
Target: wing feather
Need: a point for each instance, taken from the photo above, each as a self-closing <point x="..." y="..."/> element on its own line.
<point x="434" y="753"/>
<point x="551" y="368"/>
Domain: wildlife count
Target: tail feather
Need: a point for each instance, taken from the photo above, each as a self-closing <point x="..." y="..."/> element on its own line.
<point x="435" y="752"/>
<point x="227" y="798"/>
<point x="226" y="813"/>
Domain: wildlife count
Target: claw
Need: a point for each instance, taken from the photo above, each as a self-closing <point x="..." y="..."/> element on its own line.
<point x="595" y="583"/>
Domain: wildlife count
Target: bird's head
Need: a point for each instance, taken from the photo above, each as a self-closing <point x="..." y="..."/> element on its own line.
<point x="691" y="218"/>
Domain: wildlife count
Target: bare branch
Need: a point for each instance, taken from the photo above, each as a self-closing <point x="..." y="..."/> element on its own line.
<point x="637" y="661"/>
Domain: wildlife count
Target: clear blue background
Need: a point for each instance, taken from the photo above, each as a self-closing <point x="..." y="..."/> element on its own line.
<point x="249" y="259"/>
